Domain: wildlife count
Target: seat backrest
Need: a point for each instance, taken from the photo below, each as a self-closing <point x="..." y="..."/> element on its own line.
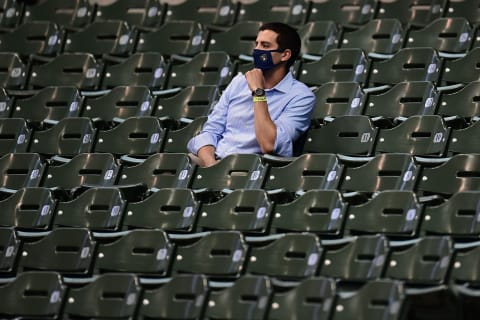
<point x="462" y="70"/>
<point x="343" y="12"/>
<point x="138" y="13"/>
<point x="463" y="140"/>
<point x="185" y="38"/>
<point x="465" y="264"/>
<point x="170" y="209"/>
<point x="177" y="140"/>
<point x="13" y="71"/>
<point x="208" y="12"/>
<point x="335" y="99"/>
<point x="318" y="37"/>
<point x="68" y="14"/>
<point x="18" y="170"/>
<point x="464" y="102"/>
<point x="10" y="247"/>
<point x="14" y="135"/>
<point x="6" y="103"/>
<point x="28" y="209"/>
<point x="11" y="13"/>
<point x="416" y="13"/>
<point x="237" y="40"/>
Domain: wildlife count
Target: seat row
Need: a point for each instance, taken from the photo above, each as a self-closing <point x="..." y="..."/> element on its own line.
<point x="151" y="69"/>
<point x="327" y="213"/>
<point x="152" y="13"/>
<point x="450" y="36"/>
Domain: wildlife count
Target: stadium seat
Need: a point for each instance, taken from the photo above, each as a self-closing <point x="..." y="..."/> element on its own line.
<point x="318" y="37"/>
<point x="312" y="298"/>
<point x="13" y="71"/>
<point x="109" y="296"/>
<point x="462" y="70"/>
<point x="376" y="299"/>
<point x="80" y="70"/>
<point x="84" y="169"/>
<point x="465" y="270"/>
<point x="70" y="251"/>
<point x="67" y="14"/>
<point x="10" y="247"/>
<point x="292" y="12"/>
<point x="420" y="135"/>
<point x="68" y="137"/>
<point x="217" y="254"/>
<point x="334" y="99"/>
<point x="183" y="296"/>
<point x="42" y="291"/>
<point x="11" y="13"/>
<point x="355" y="259"/>
<point x="394" y="213"/>
<point x="6" y="103"/>
<point x="346" y="135"/>
<point x="456" y="216"/>
<point x="14" y="135"/>
<point x="97" y="209"/>
<point x="237" y="40"/>
<point x="19" y="170"/>
<point x="143" y="252"/>
<point x="138" y="13"/>
<point x="463" y="140"/>
<point x="138" y="69"/>
<point x="248" y="211"/>
<point x="344" y="12"/>
<point x="208" y="12"/>
<point x="41" y="38"/>
<point x="388" y="171"/>
<point x="286" y="256"/>
<point x="377" y="37"/>
<point x="464" y="103"/>
<point x="111" y="37"/>
<point x="417" y="13"/>
<point x="454" y="174"/>
<point x="28" y="209"/>
<point x="306" y="172"/>
<point x="421" y="261"/>
<point x="403" y="99"/>
<point x="447" y="35"/>
<point x="160" y="170"/>
<point x="337" y="65"/>
<point x="246" y="298"/>
<point x="410" y="64"/>
<point x="176" y="140"/>
<point x="174" y="210"/>
<point x="205" y="68"/>
<point x="321" y="212"/>
<point x="48" y="104"/>
<point x="134" y="136"/>
<point x="467" y="9"/>
<point x="184" y="38"/>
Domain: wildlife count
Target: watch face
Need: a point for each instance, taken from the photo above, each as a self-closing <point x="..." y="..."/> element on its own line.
<point x="259" y="92"/>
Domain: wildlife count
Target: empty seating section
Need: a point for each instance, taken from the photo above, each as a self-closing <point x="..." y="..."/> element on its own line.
<point x="103" y="214"/>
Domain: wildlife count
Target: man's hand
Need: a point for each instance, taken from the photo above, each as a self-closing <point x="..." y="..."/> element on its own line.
<point x="207" y="156"/>
<point x="255" y="79"/>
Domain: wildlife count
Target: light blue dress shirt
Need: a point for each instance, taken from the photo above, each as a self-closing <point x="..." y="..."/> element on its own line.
<point x="230" y="128"/>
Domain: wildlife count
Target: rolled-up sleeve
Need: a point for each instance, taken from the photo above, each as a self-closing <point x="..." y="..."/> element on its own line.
<point x="294" y="120"/>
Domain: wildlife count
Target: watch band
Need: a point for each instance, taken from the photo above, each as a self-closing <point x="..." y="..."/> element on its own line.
<point x="259" y="99"/>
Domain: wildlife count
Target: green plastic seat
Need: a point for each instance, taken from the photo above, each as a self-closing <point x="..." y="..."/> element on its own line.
<point x="419" y="135"/>
<point x="68" y="14"/>
<point x="19" y="170"/>
<point x="11" y="13"/>
<point x="410" y="64"/>
<point x="411" y="13"/>
<point x="10" y="247"/>
<point x="404" y="99"/>
<point x="184" y="38"/>
<point x="286" y="256"/>
<point x="70" y="251"/>
<point x="143" y="252"/>
<point x="318" y="211"/>
<point x="170" y="209"/>
<point x="163" y="301"/>
<point x="160" y="170"/>
<point x="467" y="9"/>
<point x="80" y="70"/>
<point x="84" y="169"/>
<point x="176" y="140"/>
<point x="28" y="209"/>
<point x="334" y="99"/>
<point x="394" y="213"/>
<point x="14" y="135"/>
<point x="110" y="296"/>
<point x="6" y="103"/>
<point x="231" y="302"/>
<point x="463" y="140"/>
<point x="465" y="265"/>
<point x="111" y="37"/>
<point x="48" y="104"/>
<point x="134" y="136"/>
<point x="13" y="71"/>
<point x="355" y="259"/>
<point x="217" y="254"/>
<point x="312" y="298"/>
<point x="318" y="37"/>
<point x="462" y="70"/>
<point x="42" y="291"/>
<point x="236" y="40"/>
<point x="208" y="12"/>
<point x="344" y="12"/>
<point x="292" y="12"/>
<point x="138" y="13"/>
<point x="68" y="137"/>
<point x="138" y="69"/>
<point x="41" y="38"/>
<point x="463" y="103"/>
<point x="377" y="36"/>
<point x="248" y="211"/>
<point x="422" y="261"/>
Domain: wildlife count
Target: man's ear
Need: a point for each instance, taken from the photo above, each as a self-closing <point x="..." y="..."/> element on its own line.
<point x="286" y="54"/>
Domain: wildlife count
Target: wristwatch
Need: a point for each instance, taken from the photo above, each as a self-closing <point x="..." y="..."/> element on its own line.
<point x="259" y="92"/>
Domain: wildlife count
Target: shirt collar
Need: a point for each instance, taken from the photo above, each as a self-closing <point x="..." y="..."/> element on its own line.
<point x="285" y="84"/>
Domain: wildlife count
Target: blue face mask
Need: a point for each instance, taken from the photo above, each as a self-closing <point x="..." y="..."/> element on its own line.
<point x="262" y="59"/>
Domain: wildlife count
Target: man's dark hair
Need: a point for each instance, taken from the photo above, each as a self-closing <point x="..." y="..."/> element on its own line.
<point x="287" y="38"/>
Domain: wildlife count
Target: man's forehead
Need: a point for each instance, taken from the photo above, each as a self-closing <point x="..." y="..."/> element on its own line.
<point x="267" y="36"/>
